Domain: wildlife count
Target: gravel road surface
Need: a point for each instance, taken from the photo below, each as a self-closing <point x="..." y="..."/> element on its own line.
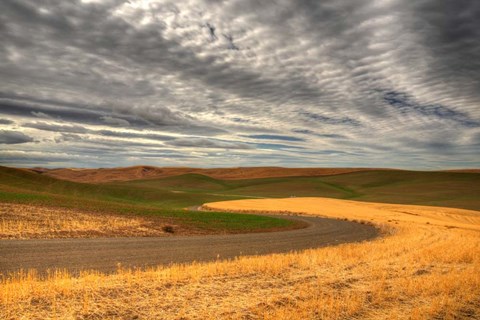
<point x="104" y="254"/>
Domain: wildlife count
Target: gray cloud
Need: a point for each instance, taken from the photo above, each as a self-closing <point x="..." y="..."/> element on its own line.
<point x="405" y="104"/>
<point x="124" y="134"/>
<point x="115" y="121"/>
<point x="40" y="114"/>
<point x="56" y="127"/>
<point x="450" y="31"/>
<point x="274" y="137"/>
<point x="207" y="143"/>
<point x="13" y="137"/>
<point x="68" y="137"/>
<point x="31" y="160"/>
<point x="6" y="121"/>
<point x="329" y="120"/>
<point x="276" y="146"/>
<point x="31" y="109"/>
<point x="76" y="129"/>
<point x="356" y="79"/>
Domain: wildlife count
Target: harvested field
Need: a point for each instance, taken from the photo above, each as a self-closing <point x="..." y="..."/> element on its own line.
<point x="383" y="213"/>
<point x="427" y="266"/>
<point x="18" y="221"/>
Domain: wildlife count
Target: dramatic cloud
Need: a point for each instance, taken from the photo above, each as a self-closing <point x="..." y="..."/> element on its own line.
<point x="235" y="83"/>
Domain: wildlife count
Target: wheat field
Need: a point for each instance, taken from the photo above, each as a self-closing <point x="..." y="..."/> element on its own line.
<point x="426" y="265"/>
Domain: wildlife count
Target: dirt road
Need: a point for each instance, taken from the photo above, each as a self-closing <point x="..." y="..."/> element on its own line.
<point x="104" y="254"/>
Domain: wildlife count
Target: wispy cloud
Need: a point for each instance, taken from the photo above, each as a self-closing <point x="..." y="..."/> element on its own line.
<point x="207" y="143"/>
<point x="274" y="137"/>
<point x="405" y="104"/>
<point x="330" y="120"/>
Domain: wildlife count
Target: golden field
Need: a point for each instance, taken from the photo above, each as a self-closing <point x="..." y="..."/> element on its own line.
<point x="19" y="221"/>
<point x="425" y="266"/>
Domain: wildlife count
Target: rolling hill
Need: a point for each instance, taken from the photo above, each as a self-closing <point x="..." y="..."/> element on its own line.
<point x="149" y="172"/>
<point x="174" y="192"/>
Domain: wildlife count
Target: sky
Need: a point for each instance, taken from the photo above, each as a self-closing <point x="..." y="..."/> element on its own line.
<point x="332" y="83"/>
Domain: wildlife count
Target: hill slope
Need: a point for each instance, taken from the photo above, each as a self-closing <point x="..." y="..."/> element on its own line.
<point x="451" y="189"/>
<point x="19" y="186"/>
<point x="148" y="172"/>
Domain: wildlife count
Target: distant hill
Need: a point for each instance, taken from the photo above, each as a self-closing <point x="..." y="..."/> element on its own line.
<point x="149" y="172"/>
<point x="464" y="170"/>
<point x="147" y="191"/>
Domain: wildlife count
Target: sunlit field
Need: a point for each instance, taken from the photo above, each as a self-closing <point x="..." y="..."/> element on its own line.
<point x="426" y="265"/>
<point x="20" y="221"/>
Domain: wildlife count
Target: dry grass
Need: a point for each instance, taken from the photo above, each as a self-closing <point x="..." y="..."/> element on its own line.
<point x="427" y="268"/>
<point x="26" y="222"/>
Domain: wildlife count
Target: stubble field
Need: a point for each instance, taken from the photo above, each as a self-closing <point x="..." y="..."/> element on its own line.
<point x="425" y="266"/>
<point x="22" y="221"/>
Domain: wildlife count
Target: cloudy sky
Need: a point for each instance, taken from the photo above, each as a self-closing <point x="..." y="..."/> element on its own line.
<point x="336" y="83"/>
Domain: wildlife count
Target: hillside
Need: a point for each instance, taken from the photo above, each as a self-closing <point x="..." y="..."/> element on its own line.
<point x="19" y="186"/>
<point x="448" y="189"/>
<point x="149" y="172"/>
<point x="159" y="195"/>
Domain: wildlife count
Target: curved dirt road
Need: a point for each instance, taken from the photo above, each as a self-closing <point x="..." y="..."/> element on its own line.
<point x="104" y="254"/>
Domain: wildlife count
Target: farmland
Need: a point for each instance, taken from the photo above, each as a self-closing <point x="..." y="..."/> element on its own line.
<point x="451" y="189"/>
<point x="425" y="264"/>
<point x="149" y="208"/>
<point x="158" y="202"/>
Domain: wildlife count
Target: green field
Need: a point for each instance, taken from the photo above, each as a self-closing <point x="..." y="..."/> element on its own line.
<point x="448" y="189"/>
<point x="167" y="197"/>
<point x="19" y="186"/>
